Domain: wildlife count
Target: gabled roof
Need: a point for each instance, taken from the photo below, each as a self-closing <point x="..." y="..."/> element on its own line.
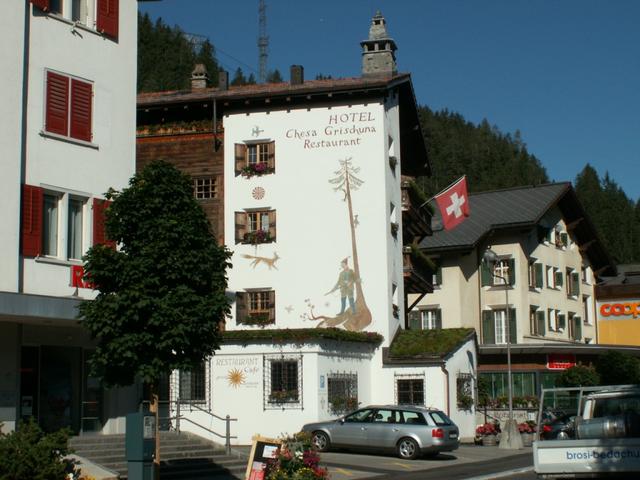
<point x="521" y="208"/>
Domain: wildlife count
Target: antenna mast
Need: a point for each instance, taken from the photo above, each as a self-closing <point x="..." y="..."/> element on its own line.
<point x="263" y="41"/>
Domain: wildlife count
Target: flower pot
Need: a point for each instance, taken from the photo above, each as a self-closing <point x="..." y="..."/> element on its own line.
<point x="489" y="441"/>
<point x="527" y="439"/>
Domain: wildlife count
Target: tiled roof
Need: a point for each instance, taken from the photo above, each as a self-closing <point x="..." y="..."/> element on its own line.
<point x="270" y="89"/>
<point x="497" y="209"/>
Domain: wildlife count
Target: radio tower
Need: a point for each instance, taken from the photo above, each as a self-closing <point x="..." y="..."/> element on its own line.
<point x="263" y="41"/>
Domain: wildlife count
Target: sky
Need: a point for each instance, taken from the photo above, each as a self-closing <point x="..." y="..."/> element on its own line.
<point x="566" y="74"/>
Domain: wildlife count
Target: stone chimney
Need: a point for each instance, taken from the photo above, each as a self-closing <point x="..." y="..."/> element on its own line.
<point x="297" y="75"/>
<point x="378" y="51"/>
<point x="199" y="77"/>
<point x="223" y="80"/>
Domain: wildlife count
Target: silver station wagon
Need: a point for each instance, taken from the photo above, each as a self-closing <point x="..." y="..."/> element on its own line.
<point x="409" y="431"/>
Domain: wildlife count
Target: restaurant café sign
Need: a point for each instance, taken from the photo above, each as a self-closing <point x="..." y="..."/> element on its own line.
<point x="620" y="309"/>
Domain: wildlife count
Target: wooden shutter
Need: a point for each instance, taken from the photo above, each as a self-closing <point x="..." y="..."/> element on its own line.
<point x="241" y="226"/>
<point x="99" y="232"/>
<point x="415" y="320"/>
<point x="485" y="275"/>
<point x="271" y="155"/>
<point x="439" y="275"/>
<point x="562" y="320"/>
<point x="107" y="17"/>
<point x="438" y="319"/>
<point x="241" y="157"/>
<point x="81" y="100"/>
<point x="539" y="275"/>
<point x="32" y="201"/>
<point x="272" y="225"/>
<point x="575" y="283"/>
<point x="511" y="263"/>
<point x="41" y="4"/>
<point x="513" y="328"/>
<point x="57" y="109"/>
<point x="241" y="307"/>
<point x="559" y="281"/>
<point x="541" y="323"/>
<point x="488" y="328"/>
<point x="272" y="306"/>
<point x="577" y="328"/>
<point x="564" y="239"/>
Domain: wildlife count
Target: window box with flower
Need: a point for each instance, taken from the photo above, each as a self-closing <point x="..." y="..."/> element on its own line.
<point x="283" y="396"/>
<point x="257" y="170"/>
<point x="257" y="236"/>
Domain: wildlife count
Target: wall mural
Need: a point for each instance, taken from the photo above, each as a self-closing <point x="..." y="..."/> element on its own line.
<point x="354" y="313"/>
<point x="269" y="262"/>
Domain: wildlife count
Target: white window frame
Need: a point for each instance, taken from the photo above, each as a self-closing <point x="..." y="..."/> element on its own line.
<point x="428" y="317"/>
<point x="501" y="269"/>
<point x="500" y="325"/>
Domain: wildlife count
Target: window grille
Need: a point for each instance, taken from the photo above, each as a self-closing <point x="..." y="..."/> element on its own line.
<point x="205" y="188"/>
<point x="464" y="396"/>
<point x="343" y="392"/>
<point x="410" y="389"/>
<point x="193" y="384"/>
<point x="282" y="382"/>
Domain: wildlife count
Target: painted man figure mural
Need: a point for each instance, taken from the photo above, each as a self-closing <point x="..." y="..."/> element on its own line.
<point x="346" y="282"/>
<point x="358" y="316"/>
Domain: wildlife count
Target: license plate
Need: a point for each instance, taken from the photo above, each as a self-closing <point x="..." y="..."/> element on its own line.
<point x="453" y="435"/>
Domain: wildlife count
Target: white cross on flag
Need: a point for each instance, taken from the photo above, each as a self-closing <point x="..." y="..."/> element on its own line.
<point x="454" y="204"/>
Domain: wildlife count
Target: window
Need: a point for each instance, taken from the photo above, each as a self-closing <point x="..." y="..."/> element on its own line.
<point x="256" y="307"/>
<point x="193" y="384"/>
<point x="410" y="391"/>
<point x="106" y="13"/>
<point x="79" y="11"/>
<point x="587" y="308"/>
<point x="256" y="226"/>
<point x="494" y="326"/>
<point x="205" y="188"/>
<point x="523" y="383"/>
<point x="584" y="270"/>
<point x="552" y="316"/>
<point x="75" y="229"/>
<point x="535" y="274"/>
<point x="554" y="277"/>
<point x="283" y="381"/>
<point x="360" y="416"/>
<point x="537" y="321"/>
<point x="561" y="238"/>
<point x="68" y="110"/>
<point x="427" y="319"/>
<point x="503" y="273"/>
<point x="575" y="327"/>
<point x="255" y="159"/>
<point x="464" y="390"/>
<point x="573" y="283"/>
<point x="50" y="225"/>
<point x="343" y="392"/>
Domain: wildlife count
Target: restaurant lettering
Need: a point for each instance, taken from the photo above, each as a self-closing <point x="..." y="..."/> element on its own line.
<point x="342" y="130"/>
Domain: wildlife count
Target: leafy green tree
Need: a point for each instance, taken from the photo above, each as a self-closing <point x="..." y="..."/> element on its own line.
<point x="30" y="454"/>
<point x="618" y="368"/>
<point x="162" y="293"/>
<point x="578" y="376"/>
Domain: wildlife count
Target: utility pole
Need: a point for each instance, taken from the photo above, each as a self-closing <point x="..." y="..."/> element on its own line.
<point x="263" y="41"/>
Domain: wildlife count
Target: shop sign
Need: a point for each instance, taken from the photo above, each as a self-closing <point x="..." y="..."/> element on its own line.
<point x="560" y="361"/>
<point x="626" y="309"/>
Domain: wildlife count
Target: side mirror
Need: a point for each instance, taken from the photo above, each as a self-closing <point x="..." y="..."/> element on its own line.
<point x="342" y="420"/>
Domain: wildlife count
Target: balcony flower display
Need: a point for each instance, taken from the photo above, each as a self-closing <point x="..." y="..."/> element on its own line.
<point x="487" y="433"/>
<point x="257" y="236"/>
<point x="297" y="460"/>
<point x="283" y="396"/>
<point x="258" y="318"/>
<point x="257" y="169"/>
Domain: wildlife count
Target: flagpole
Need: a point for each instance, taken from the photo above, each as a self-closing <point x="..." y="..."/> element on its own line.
<point x="441" y="191"/>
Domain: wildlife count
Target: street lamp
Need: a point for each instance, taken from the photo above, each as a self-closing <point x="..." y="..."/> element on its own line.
<point x="511" y="438"/>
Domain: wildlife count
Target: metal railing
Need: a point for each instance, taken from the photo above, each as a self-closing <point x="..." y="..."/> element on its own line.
<point x="172" y="422"/>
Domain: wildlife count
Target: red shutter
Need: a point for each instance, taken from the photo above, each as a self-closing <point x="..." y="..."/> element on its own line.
<point x="41" y="4"/>
<point x="99" y="235"/>
<point x="107" y="21"/>
<point x="81" y="97"/>
<point x="57" y="114"/>
<point x="32" y="198"/>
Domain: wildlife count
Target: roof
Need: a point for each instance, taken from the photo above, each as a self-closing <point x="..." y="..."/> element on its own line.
<point x="545" y="348"/>
<point x="426" y="346"/>
<point x="521" y="207"/>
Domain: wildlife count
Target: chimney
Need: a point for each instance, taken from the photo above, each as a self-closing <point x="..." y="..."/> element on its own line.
<point x="297" y="75"/>
<point x="223" y="80"/>
<point x="199" y="77"/>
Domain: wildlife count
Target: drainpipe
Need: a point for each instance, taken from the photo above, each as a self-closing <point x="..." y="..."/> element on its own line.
<point x="446" y="383"/>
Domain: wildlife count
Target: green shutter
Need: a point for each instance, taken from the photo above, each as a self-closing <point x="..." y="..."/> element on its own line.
<point x="564" y="238"/>
<point x="488" y="328"/>
<point x="415" y="320"/>
<point x="511" y="263"/>
<point x="577" y="328"/>
<point x="485" y="274"/>
<point x="439" y="275"/>
<point x="439" y="319"/>
<point x="539" y="275"/>
<point x="562" y="321"/>
<point x="575" y="283"/>
<point x="559" y="281"/>
<point x="541" y="321"/>
<point x="513" y="329"/>
<point x="547" y="237"/>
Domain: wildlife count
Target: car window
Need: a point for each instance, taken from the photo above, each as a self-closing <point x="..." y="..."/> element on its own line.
<point x="386" y="416"/>
<point x="359" y="416"/>
<point x="440" y="418"/>
<point x="413" y="418"/>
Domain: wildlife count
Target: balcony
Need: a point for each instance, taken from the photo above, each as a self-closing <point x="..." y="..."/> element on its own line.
<point x="418" y="270"/>
<point x="416" y="213"/>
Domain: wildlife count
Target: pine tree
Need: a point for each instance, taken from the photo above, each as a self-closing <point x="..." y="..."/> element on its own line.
<point x="274" y="76"/>
<point x="238" y="78"/>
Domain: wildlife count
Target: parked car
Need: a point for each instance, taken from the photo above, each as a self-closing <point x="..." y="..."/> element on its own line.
<point x="409" y="431"/>
<point x="562" y="427"/>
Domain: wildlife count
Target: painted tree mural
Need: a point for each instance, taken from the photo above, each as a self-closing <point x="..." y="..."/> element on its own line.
<point x="358" y="315"/>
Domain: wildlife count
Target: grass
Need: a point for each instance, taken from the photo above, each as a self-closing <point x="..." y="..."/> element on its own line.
<point x="302" y="335"/>
<point x="427" y="343"/>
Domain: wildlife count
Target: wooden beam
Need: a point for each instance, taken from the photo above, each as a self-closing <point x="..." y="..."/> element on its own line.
<point x="420" y="297"/>
<point x="574" y="224"/>
<point x="585" y="246"/>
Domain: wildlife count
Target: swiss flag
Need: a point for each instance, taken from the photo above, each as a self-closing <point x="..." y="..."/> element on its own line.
<point x="454" y="204"/>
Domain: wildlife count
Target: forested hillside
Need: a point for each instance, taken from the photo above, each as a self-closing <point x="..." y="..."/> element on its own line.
<point x="490" y="159"/>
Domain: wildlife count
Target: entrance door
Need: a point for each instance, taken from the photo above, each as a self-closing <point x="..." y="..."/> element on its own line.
<point x="60" y="387"/>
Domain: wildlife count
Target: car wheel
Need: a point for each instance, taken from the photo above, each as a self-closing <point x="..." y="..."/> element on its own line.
<point x="408" y="448"/>
<point x="320" y="440"/>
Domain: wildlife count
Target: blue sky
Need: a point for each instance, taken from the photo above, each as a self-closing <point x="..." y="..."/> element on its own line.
<point x="565" y="73"/>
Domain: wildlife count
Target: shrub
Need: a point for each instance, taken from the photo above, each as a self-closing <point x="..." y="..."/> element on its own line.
<point x="578" y="376"/>
<point x="297" y="460"/>
<point x="617" y="368"/>
<point x="30" y="454"/>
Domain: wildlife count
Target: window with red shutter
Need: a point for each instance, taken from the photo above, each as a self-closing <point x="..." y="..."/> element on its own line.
<point x="41" y="4"/>
<point x="32" y="198"/>
<point x="99" y="234"/>
<point x="57" y="111"/>
<point x="81" y="97"/>
<point x="107" y="17"/>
